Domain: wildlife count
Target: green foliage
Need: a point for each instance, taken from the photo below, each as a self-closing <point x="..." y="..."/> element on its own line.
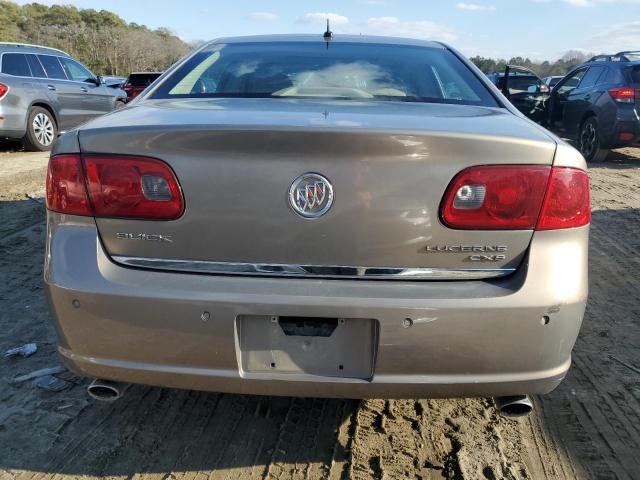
<point x="9" y="18"/>
<point x="544" y="69"/>
<point x="100" y="39"/>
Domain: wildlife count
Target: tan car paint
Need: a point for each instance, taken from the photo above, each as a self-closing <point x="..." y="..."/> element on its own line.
<point x="503" y="336"/>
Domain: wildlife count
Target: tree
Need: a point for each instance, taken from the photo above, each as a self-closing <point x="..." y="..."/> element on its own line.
<point x="100" y="39"/>
<point x="560" y="67"/>
<point x="9" y="18"/>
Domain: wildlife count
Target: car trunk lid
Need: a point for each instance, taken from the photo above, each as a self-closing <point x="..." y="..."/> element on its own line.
<point x="389" y="164"/>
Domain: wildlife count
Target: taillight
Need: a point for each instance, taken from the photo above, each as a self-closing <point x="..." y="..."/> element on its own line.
<point x="114" y="186"/>
<point x="495" y="197"/>
<point x="567" y="202"/>
<point x="66" y="190"/>
<point x="516" y="197"/>
<point x="625" y="94"/>
<point x="3" y="90"/>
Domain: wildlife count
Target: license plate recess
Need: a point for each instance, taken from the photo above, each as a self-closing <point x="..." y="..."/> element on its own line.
<point x="328" y="347"/>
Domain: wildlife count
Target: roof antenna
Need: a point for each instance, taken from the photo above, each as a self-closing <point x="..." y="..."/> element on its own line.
<point x="328" y="35"/>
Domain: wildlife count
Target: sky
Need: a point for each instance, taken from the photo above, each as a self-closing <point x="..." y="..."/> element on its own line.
<point x="539" y="29"/>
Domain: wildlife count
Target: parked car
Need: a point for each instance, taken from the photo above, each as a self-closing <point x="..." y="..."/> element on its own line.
<point x="598" y="104"/>
<point x="553" y="80"/>
<point x="348" y="216"/>
<point x="524" y="89"/>
<point x="137" y="82"/>
<point x="114" y="82"/>
<point x="44" y="90"/>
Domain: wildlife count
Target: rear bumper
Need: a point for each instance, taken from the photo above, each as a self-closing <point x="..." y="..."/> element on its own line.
<point x="13" y="134"/>
<point x="13" y="117"/>
<point x="631" y="126"/>
<point x="10" y="128"/>
<point x="381" y="386"/>
<point x="468" y="338"/>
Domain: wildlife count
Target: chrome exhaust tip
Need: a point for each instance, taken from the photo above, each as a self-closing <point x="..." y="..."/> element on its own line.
<point x="106" y="390"/>
<point x="514" y="406"/>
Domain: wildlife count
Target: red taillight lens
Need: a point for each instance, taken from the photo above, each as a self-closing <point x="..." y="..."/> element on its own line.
<point x="517" y="197"/>
<point x="625" y="94"/>
<point x="567" y="203"/>
<point x="3" y="89"/>
<point x="66" y="191"/>
<point x="132" y="187"/>
<point x="495" y="197"/>
<point x="114" y="186"/>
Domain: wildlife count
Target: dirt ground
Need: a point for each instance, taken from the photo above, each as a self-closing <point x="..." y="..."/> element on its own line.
<point x="588" y="428"/>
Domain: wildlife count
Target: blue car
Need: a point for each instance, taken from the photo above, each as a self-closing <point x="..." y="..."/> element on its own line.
<point x="598" y="104"/>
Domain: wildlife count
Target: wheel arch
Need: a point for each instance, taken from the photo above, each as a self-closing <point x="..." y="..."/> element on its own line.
<point x="602" y="148"/>
<point x="588" y="114"/>
<point x="47" y="107"/>
<point x="603" y="135"/>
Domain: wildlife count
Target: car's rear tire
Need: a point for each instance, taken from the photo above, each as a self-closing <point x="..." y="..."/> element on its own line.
<point x="41" y="130"/>
<point x="589" y="141"/>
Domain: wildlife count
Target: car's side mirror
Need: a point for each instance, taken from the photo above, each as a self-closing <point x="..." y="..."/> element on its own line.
<point x="100" y="80"/>
<point x="541" y="88"/>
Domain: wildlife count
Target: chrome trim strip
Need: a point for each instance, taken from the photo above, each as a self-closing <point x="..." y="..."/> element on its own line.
<point x="312" y="271"/>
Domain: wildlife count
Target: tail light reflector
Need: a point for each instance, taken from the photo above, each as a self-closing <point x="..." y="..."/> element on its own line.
<point x="66" y="190"/>
<point x="3" y="90"/>
<point x="567" y="202"/>
<point x="114" y="186"/>
<point x="516" y="197"/>
<point x="625" y="94"/>
<point x="626" y="136"/>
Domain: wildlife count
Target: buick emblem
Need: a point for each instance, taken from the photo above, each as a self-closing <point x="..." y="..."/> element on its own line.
<point x="310" y="195"/>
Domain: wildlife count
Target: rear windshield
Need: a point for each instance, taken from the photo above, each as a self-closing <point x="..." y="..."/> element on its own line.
<point x="349" y="71"/>
<point x="142" y="79"/>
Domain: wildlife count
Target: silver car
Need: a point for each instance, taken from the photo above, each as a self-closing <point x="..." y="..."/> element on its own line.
<point x="297" y="215"/>
<point x="44" y="90"/>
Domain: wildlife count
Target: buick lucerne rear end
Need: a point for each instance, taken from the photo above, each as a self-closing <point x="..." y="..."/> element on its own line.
<point x="296" y="215"/>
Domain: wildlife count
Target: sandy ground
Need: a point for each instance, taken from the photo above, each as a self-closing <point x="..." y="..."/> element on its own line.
<point x="588" y="428"/>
